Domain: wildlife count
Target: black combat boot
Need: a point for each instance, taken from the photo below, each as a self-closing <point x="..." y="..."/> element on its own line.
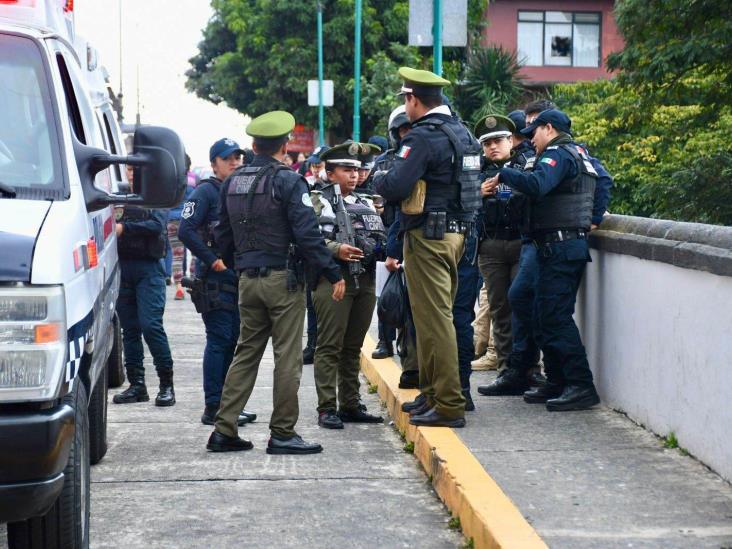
<point x="469" y="404"/>
<point x="136" y="392"/>
<point x="574" y="397"/>
<point x="358" y="415"/>
<point x="308" y="353"/>
<point x="542" y="393"/>
<point x="409" y="379"/>
<point x="508" y="383"/>
<point x="166" y="394"/>
<point x="384" y="349"/>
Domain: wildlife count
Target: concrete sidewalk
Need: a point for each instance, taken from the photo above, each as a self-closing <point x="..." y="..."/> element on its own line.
<point x="594" y="478"/>
<point x="159" y="487"/>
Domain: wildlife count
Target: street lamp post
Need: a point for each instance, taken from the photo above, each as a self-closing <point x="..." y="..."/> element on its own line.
<point x="437" y="37"/>
<point x="321" y="114"/>
<point x="357" y="75"/>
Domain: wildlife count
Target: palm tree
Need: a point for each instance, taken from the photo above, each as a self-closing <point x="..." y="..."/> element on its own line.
<point x="490" y="83"/>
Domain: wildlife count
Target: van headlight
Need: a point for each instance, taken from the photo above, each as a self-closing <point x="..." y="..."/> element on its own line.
<point x="33" y="342"/>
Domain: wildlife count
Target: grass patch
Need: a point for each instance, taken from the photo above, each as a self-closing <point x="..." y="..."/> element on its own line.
<point x="469" y="544"/>
<point x="409" y="447"/>
<point x="454" y="523"/>
<point x="373" y="389"/>
<point x="671" y="441"/>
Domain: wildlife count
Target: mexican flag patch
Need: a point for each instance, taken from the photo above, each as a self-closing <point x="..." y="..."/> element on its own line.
<point x="550" y="161"/>
<point x="404" y="151"/>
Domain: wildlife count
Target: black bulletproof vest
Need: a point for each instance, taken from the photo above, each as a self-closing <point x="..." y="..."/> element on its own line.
<point x="148" y="246"/>
<point x="390" y="208"/>
<point x="258" y="219"/>
<point x="569" y="204"/>
<point x="462" y="194"/>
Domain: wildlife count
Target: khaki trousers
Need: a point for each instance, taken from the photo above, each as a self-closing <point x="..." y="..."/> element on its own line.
<point x="342" y="327"/>
<point x="266" y="309"/>
<point x="498" y="261"/>
<point x="432" y="278"/>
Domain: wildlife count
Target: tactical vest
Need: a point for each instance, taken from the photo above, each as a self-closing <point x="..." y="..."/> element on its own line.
<point x="368" y="226"/>
<point x="497" y="222"/>
<point x="462" y="194"/>
<point x="258" y="220"/>
<point x="390" y="208"/>
<point x="140" y="246"/>
<point x="569" y="204"/>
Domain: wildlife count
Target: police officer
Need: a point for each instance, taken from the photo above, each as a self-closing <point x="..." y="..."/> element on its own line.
<point x="437" y="176"/>
<point x="500" y="245"/>
<point x="215" y="295"/>
<point x="398" y="126"/>
<point x="562" y="188"/>
<point x="369" y="150"/>
<point x="317" y="179"/>
<point x="265" y="212"/>
<point x="141" y="242"/>
<point x="342" y="325"/>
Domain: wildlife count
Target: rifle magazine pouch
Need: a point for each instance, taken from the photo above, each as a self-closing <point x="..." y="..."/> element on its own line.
<point x="414" y="203"/>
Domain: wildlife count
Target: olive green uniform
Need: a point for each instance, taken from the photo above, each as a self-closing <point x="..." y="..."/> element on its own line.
<point x="342" y="327"/>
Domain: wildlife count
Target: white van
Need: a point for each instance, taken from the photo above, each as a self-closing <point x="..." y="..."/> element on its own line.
<point x="60" y="172"/>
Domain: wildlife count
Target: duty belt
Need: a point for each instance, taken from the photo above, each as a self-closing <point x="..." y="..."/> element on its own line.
<point x="560" y="236"/>
<point x="460" y="227"/>
<point x="257" y="272"/>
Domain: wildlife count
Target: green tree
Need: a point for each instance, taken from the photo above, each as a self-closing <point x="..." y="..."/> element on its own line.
<point x="666" y="40"/>
<point x="259" y="54"/>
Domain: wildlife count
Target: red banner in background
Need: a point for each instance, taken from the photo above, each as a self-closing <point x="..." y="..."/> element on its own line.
<point x="303" y="139"/>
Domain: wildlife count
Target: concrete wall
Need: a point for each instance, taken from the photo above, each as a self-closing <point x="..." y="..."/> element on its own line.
<point x="655" y="311"/>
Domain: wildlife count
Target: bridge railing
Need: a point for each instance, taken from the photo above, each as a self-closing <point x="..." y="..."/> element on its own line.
<point x="655" y="312"/>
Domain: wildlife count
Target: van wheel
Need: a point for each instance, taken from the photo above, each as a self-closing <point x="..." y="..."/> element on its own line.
<point x="115" y="364"/>
<point x="67" y="522"/>
<point x="98" y="419"/>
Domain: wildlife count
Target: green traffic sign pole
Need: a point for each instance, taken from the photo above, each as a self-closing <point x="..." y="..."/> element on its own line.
<point x="357" y="76"/>
<point x="437" y="37"/>
<point x="321" y="114"/>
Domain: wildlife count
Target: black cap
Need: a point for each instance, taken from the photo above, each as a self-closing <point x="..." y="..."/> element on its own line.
<point x="555" y="117"/>
<point x="519" y="119"/>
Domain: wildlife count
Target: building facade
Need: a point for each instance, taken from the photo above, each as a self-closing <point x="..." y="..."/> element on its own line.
<point x="555" y="40"/>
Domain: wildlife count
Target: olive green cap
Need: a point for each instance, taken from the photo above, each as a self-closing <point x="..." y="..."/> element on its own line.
<point x="368" y="150"/>
<point x="271" y="125"/>
<point x="494" y="125"/>
<point x="421" y="83"/>
<point x="345" y="154"/>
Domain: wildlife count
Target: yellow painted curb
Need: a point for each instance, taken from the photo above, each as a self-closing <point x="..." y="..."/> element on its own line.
<point x="487" y="515"/>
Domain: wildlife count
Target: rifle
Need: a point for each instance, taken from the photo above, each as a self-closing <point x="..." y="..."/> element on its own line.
<point x="345" y="233"/>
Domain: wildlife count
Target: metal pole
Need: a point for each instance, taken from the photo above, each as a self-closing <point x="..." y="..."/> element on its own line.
<point x="437" y="37"/>
<point x="321" y="114"/>
<point x="357" y="76"/>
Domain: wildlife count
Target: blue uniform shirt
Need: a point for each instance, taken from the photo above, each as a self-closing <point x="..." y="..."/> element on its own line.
<point x="201" y="210"/>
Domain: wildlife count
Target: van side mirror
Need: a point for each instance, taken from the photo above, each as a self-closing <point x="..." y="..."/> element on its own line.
<point x="160" y="177"/>
<point x="159" y="161"/>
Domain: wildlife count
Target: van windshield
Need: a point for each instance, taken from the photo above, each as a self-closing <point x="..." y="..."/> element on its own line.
<point x="30" y="160"/>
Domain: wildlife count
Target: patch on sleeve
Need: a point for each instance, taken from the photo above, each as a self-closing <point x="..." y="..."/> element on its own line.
<point x="552" y="148"/>
<point x="189" y="209"/>
<point x="306" y="200"/>
<point x="550" y="161"/>
<point x="404" y="151"/>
